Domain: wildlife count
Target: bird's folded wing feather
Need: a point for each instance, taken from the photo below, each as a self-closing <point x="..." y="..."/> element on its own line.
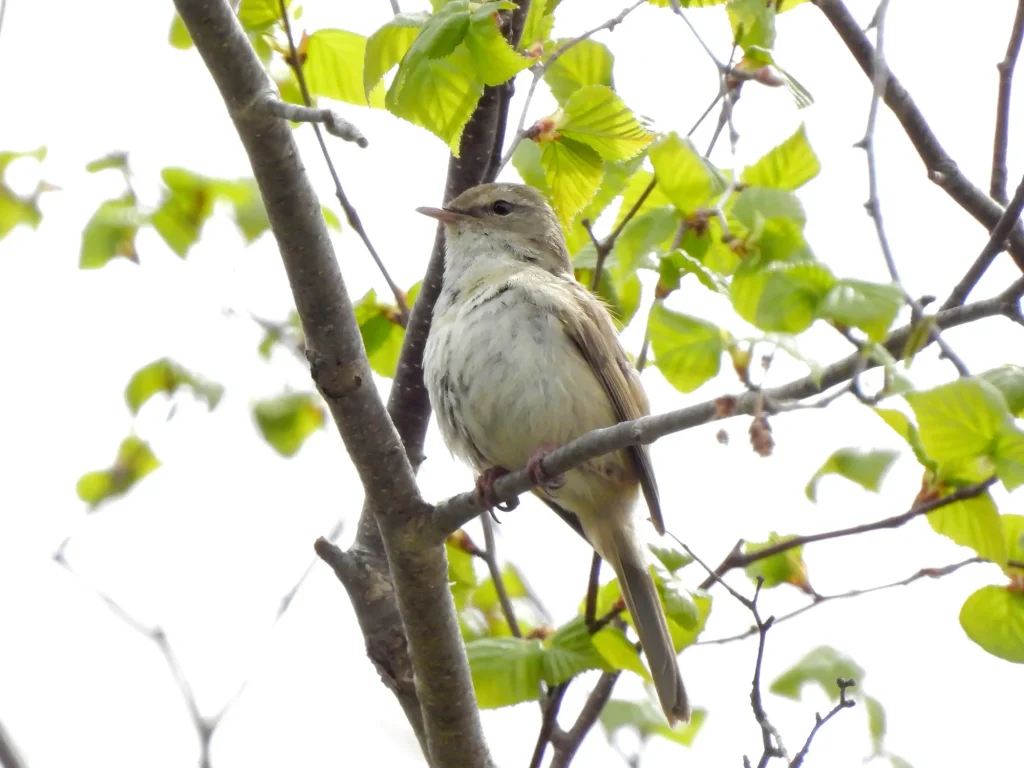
<point x="594" y="335"/>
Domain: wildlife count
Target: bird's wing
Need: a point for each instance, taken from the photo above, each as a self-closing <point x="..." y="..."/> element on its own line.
<point x="594" y="335"/>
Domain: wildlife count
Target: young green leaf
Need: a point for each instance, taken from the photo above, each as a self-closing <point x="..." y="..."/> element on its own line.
<point x="539" y="21"/>
<point x="573" y="172"/>
<point x="780" y="296"/>
<point x="588" y="62"/>
<point x="595" y="116"/>
<point x="753" y="23"/>
<point x="754" y="206"/>
<point x="687" y="350"/>
<point x="618" y="652"/>
<point x="495" y="60"/>
<point x="570" y="651"/>
<point x="960" y="420"/>
<point x="672" y="559"/>
<point x="786" y="567"/>
<point x="382" y="334"/>
<point x="1008" y="379"/>
<point x="866" y="468"/>
<point x="485" y="597"/>
<point x="906" y="429"/>
<point x="110" y="233"/>
<point x="15" y="209"/>
<point x="822" y="666"/>
<point x="993" y="617"/>
<point x="179" y="37"/>
<point x="461" y="572"/>
<point x="1009" y="457"/>
<point x="648" y="721"/>
<point x="386" y="47"/>
<point x="789" y="166"/>
<point x="334" y="68"/>
<point x="259" y="15"/>
<point x="688" y="180"/>
<point x="973" y="523"/>
<point x="286" y="421"/>
<point x="869" y="306"/>
<point x="167" y="376"/>
<point x="134" y="461"/>
<point x="634" y="189"/>
<point x="505" y="670"/>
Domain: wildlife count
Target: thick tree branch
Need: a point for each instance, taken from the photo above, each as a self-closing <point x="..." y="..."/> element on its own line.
<point x="340" y="369"/>
<point x="452" y="514"/>
<point x="10" y="757"/>
<point x="940" y="166"/>
<point x="997" y="189"/>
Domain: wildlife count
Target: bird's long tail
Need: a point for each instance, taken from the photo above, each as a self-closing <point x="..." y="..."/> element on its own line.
<point x="624" y="555"/>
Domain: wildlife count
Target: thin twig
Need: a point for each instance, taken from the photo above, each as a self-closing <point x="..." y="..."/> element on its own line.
<point x="742" y="560"/>
<point x="679" y="12"/>
<point x="395" y="7"/>
<point x="548" y="722"/>
<point x="819" y="721"/>
<point x="879" y="81"/>
<point x="538" y="71"/>
<point x="932" y="573"/>
<point x="335" y="124"/>
<point x="995" y="245"/>
<point x="565" y="748"/>
<point x="604" y="247"/>
<point x="289" y="596"/>
<point x="771" y="741"/>
<point x="350" y="212"/>
<point x="489" y="556"/>
<point x="997" y="188"/>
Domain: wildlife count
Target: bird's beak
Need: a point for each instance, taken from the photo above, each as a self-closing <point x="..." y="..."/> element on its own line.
<point x="444" y="215"/>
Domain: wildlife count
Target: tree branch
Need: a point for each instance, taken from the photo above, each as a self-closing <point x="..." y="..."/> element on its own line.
<point x="452" y="514"/>
<point x="335" y="124"/>
<point x="565" y="748"/>
<point x="940" y="166"/>
<point x="10" y="757"/>
<point x="743" y="559"/>
<point x="340" y="369"/>
<point x="997" y="189"/>
<point x="819" y="721"/>
<point x="490" y="557"/>
<point x="771" y="741"/>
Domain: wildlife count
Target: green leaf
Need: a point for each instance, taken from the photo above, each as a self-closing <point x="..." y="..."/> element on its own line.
<point x="527" y="162"/>
<point x="288" y="333"/>
<point x="753" y="23"/>
<point x="573" y="172"/>
<point x="688" y="180"/>
<point x="672" y="559"/>
<point x="115" y="160"/>
<point x="1008" y="379"/>
<point x="167" y="376"/>
<point x="461" y="572"/>
<point x="680" y="606"/>
<point x="437" y="94"/>
<point x="869" y="306"/>
<point x="908" y="431"/>
<point x="331" y="218"/>
<point x="485" y="597"/>
<point x="179" y="37"/>
<point x="684" y="636"/>
<point x="780" y="296"/>
<point x="960" y="420"/>
<point x="14" y="209"/>
<point x="286" y="421"/>
<point x="631" y="193"/>
<point x="495" y="60"/>
<point x="1009" y="457"/>
<point x="382" y="334"/>
<point x="539" y="21"/>
<point x="258" y="15"/>
<point x="111" y="232"/>
<point x="993" y="617"/>
<point x="597" y="117"/>
<point x="972" y="523"/>
<point x="866" y="468"/>
<point x="386" y="47"/>
<point x="334" y="67"/>
<point x="876" y="724"/>
<point x="187" y="204"/>
<point x="678" y="263"/>
<point x="754" y="206"/>
<point x="687" y="350"/>
<point x="134" y="461"/>
<point x="247" y="206"/>
<point x="790" y="165"/>
<point x="786" y="567"/>
<point x="588" y="62"/>
<point x="1013" y="534"/>
<point x="616" y="649"/>
<point x="570" y="651"/>
<point x="648" y="721"/>
<point x="822" y="666"/>
<point x="505" y="670"/>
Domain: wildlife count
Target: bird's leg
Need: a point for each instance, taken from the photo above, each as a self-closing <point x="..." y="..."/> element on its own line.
<point x="485" y="490"/>
<point x="536" y="471"/>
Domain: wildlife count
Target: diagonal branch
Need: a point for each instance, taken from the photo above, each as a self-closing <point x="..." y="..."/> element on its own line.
<point x="452" y="514"/>
<point x="997" y="189"/>
<point x="351" y="215"/>
<point x="940" y="166"/>
<point x="566" y="746"/>
<point x="451" y="721"/>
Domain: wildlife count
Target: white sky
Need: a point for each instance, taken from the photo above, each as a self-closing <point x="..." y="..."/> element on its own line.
<point x="207" y="545"/>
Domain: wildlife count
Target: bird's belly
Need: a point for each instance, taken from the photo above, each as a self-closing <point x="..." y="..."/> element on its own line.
<point x="518" y="381"/>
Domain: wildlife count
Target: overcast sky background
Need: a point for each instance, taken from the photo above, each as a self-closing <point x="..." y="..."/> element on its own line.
<point x="206" y="546"/>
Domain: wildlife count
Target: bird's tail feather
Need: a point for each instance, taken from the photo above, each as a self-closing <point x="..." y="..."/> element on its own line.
<point x="641" y="596"/>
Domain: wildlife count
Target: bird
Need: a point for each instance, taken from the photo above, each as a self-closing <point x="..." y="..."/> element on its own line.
<point x="520" y="359"/>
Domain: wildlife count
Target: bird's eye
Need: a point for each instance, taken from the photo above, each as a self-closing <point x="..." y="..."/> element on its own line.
<point x="501" y="207"/>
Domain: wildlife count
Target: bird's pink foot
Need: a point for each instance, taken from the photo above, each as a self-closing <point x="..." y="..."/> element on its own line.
<point x="536" y="471"/>
<point x="485" y="490"/>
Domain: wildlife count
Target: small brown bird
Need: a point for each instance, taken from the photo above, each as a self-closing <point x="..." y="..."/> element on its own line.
<point x="521" y="358"/>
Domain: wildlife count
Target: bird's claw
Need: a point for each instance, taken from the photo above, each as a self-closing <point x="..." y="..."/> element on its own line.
<point x="485" y="490"/>
<point x="537" y="472"/>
